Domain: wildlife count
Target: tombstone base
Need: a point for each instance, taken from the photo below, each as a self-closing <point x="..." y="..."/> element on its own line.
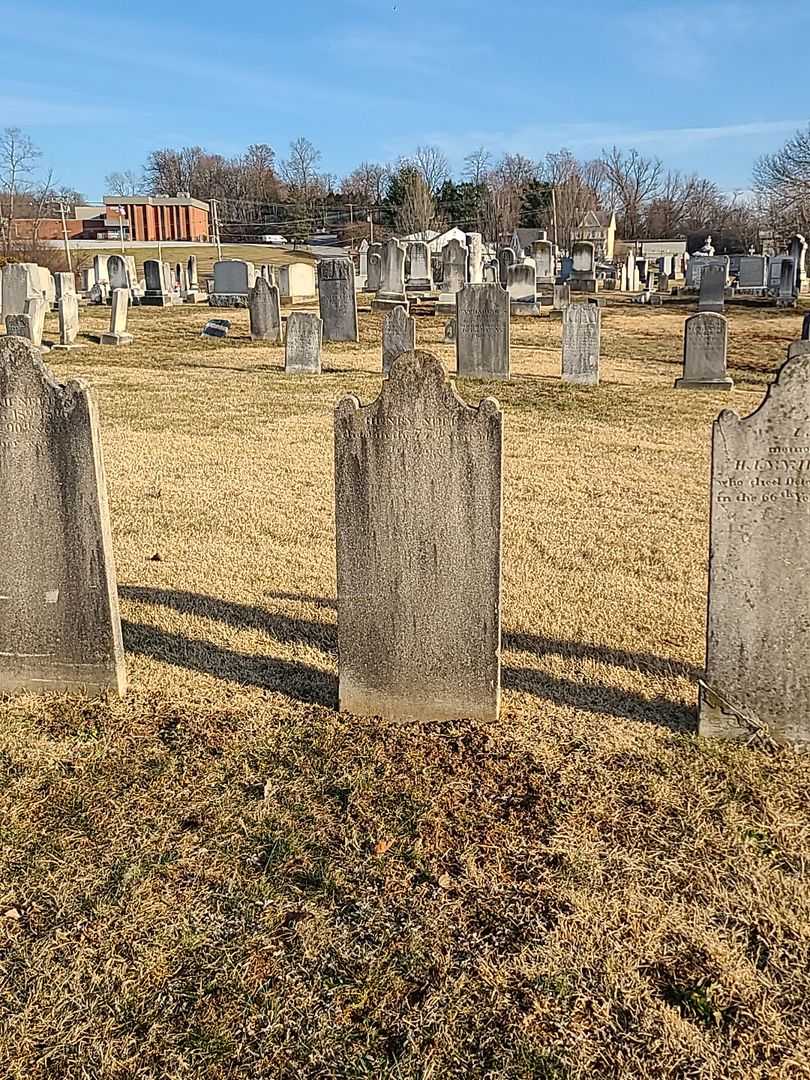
<point x="157" y="299"/>
<point x="581" y="380"/>
<point x="704" y="384"/>
<point x="67" y="348"/>
<point x="388" y="303"/>
<point x="717" y="309"/>
<point x="194" y="296"/>
<point x="786" y="303"/>
<point x="419" y="285"/>
<point x="94" y="680"/>
<point x="373" y="702"/>
<point x="583" y="285"/>
<point x="526" y="309"/>
<point x="116" y="339"/>
<point x="229" y="300"/>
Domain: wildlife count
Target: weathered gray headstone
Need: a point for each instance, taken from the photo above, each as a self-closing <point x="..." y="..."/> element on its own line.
<point x="561" y="297"/>
<point x="59" y="624"/>
<point x="420" y="274"/>
<point x="191" y="268"/>
<point x="233" y="281"/>
<point x="543" y="254"/>
<point x="36" y="309"/>
<point x="506" y="258"/>
<point x="117" y="272"/>
<point x="418" y="524"/>
<point x="68" y="308"/>
<point x="374" y="271"/>
<point x="337" y="299"/>
<point x="583" y="267"/>
<point x="19" y="326"/>
<point x="392" y="277"/>
<point x="753" y="273"/>
<point x="786" y="297"/>
<point x="758" y="633"/>
<point x="705" y="345"/>
<point x="216" y="328"/>
<point x="454" y="274"/>
<point x="64" y="283"/>
<point x="117" y="334"/>
<point x="264" y="309"/>
<point x="302" y="349"/>
<point x="20" y="284"/>
<point x="475" y="258"/>
<point x="798" y="348"/>
<point x="797" y="250"/>
<point x="581" y="340"/>
<point x="522" y="286"/>
<point x="398" y="336"/>
<point x="712" y="290"/>
<point x="806" y="326"/>
<point x="482" y="332"/>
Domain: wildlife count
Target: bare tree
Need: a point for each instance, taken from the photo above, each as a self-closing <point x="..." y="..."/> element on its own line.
<point x="782" y="182"/>
<point x="477" y="166"/>
<point x="300" y="170"/>
<point x="366" y="186"/>
<point x="432" y="166"/>
<point x="123" y="183"/>
<point x="18" y="157"/>
<point x="632" y="181"/>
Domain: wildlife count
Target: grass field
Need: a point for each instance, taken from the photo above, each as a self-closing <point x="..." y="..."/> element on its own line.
<point x="206" y="255"/>
<point x="221" y="876"/>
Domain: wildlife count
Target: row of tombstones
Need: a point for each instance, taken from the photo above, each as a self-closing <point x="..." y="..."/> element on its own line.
<point x="409" y="468"/>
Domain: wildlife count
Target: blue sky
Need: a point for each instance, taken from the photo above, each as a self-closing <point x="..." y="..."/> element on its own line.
<point x="706" y="86"/>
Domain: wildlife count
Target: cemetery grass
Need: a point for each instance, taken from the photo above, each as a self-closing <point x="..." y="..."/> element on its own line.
<point x="206" y="255"/>
<point x="222" y="876"/>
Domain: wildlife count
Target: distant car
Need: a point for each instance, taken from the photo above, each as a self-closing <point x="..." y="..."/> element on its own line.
<point x="274" y="238"/>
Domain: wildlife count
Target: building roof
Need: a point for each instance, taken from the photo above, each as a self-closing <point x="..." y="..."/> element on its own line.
<point x="596" y="219"/>
<point x="155" y="200"/>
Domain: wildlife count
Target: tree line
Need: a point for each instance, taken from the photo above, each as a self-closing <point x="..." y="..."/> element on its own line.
<point x="258" y="192"/>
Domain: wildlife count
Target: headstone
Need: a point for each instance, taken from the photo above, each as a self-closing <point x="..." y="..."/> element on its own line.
<point x="36" y="309"/>
<point x="64" y="283"/>
<point x="302" y="350"/>
<point x="798" y="348"/>
<point x="20" y="326"/>
<point x="482" y="332"/>
<point x="374" y="271"/>
<point x="264" y="310"/>
<point x="170" y="279"/>
<point x="506" y="258"/>
<point x="117" y="272"/>
<point x="705" y="344"/>
<point x="421" y="271"/>
<point x="59" y="624"/>
<point x="663" y="283"/>
<point x="117" y="334"/>
<point x="193" y="282"/>
<point x="786" y="297"/>
<point x="712" y="290"/>
<point x="797" y="250"/>
<point x="699" y="264"/>
<point x="543" y="252"/>
<point x="582" y="327"/>
<point x="475" y="258"/>
<point x="100" y="267"/>
<point x="216" y="328"/>
<point x="296" y="282"/>
<point x="454" y="275"/>
<point x="88" y="279"/>
<point x="583" y="271"/>
<point x="775" y="271"/>
<point x="392" y="277"/>
<point x="758" y="632"/>
<point x="753" y="273"/>
<point x="233" y="281"/>
<point x="157" y="292"/>
<point x="398" y="336"/>
<point x="418" y="528"/>
<point x="561" y="297"/>
<point x="337" y="299"/>
<point x="522" y="287"/>
<point x="20" y="284"/>
<point x="363" y="258"/>
<point x="68" y="309"/>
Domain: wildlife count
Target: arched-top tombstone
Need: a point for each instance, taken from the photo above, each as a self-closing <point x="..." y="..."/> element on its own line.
<point x="418" y="520"/>
<point x="758" y="630"/>
<point x="59" y="622"/>
<point x="398" y="336"/>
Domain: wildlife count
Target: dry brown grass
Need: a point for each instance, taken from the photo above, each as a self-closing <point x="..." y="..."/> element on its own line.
<point x="223" y="877"/>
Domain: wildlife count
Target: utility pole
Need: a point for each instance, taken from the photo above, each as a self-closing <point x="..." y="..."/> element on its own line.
<point x="65" y="235"/>
<point x="554" y="212"/>
<point x="370" y="220"/>
<point x="215" y="216"/>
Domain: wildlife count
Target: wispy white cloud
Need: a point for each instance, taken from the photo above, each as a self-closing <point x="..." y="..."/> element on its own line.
<point x="21" y="109"/>
<point x="536" y="140"/>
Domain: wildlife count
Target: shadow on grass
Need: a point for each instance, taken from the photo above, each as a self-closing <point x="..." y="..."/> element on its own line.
<point x="518" y="641"/>
<point x="242" y="616"/>
<point x="291" y="678"/>
<point x="608" y="700"/>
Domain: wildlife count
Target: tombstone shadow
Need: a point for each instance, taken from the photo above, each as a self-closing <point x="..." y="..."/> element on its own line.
<point x="519" y="641"/>
<point x="598" y="698"/>
<point x="291" y="678"/>
<point x="281" y="628"/>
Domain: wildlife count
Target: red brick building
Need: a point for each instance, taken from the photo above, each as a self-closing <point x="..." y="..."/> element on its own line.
<point x="85" y="223"/>
<point x="161" y="218"/>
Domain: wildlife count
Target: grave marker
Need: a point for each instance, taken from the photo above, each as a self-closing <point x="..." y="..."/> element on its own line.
<point x="705" y="343"/>
<point x="758" y="632"/>
<point x="302" y="349"/>
<point x="398" y="336"/>
<point x="418" y="524"/>
<point x="264" y="310"/>
<point x="337" y="299"/>
<point x="582" y="328"/>
<point x="117" y="334"/>
<point x="482" y="332"/>
<point x="59" y="623"/>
